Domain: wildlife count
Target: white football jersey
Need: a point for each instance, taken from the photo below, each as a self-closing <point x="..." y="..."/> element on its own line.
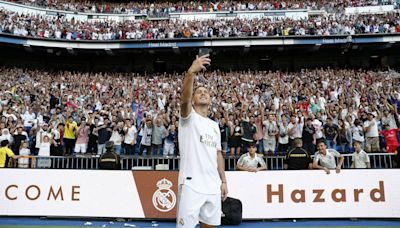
<point x="199" y="141"/>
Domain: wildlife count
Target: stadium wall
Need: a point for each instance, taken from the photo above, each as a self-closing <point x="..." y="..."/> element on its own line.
<point x="153" y="194"/>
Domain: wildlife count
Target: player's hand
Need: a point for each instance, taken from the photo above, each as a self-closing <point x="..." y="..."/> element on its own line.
<point x="224" y="191"/>
<point x="327" y="171"/>
<point x="200" y="64"/>
<point x="253" y="170"/>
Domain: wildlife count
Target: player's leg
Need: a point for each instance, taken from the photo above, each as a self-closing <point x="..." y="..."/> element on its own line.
<point x="189" y="205"/>
<point x="202" y="225"/>
<point x="210" y="212"/>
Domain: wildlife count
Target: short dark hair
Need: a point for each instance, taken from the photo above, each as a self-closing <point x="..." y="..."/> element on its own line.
<point x="199" y="86"/>
<point x="297" y="142"/>
<point x="321" y="141"/>
<point x="4" y="143"/>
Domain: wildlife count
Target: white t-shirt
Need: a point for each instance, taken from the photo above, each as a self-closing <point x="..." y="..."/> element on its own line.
<point x="297" y="131"/>
<point x="270" y="128"/>
<point x="29" y="119"/>
<point x="360" y="159"/>
<point x="44" y="149"/>
<point x="358" y="133"/>
<point x="130" y="135"/>
<point x="248" y="162"/>
<point x="116" y="138"/>
<point x="318" y="128"/>
<point x="146" y="137"/>
<point x="24" y="162"/>
<point x="283" y="134"/>
<point x="327" y="160"/>
<point x="199" y="141"/>
<point x="390" y="120"/>
<point x="41" y="133"/>
<point x="373" y="131"/>
<point x="321" y="103"/>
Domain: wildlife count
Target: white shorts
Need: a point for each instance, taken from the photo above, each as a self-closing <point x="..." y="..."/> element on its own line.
<point x="194" y="207"/>
<point x="80" y="148"/>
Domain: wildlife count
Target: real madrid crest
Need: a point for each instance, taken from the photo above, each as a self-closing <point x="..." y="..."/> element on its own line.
<point x="164" y="199"/>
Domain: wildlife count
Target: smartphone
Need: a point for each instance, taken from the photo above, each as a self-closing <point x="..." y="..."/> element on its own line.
<point x="204" y="51"/>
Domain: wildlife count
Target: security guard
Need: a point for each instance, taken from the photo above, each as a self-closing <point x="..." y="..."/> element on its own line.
<point x="110" y="160"/>
<point x="298" y="157"/>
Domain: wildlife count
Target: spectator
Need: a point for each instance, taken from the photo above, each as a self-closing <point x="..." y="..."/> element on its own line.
<point x="298" y="157"/>
<point x="344" y="136"/>
<point x="4" y="152"/>
<point x="249" y="130"/>
<point x="358" y="132"/>
<point x="44" y="149"/>
<point x="283" y="139"/>
<point x="56" y="147"/>
<point x="43" y="131"/>
<point x="5" y="135"/>
<point x="371" y="134"/>
<point x="82" y="137"/>
<point x="147" y="132"/>
<point x="251" y="161"/>
<point x="391" y="140"/>
<point x="295" y="128"/>
<point x="130" y="137"/>
<point x="117" y="136"/>
<point x="159" y="132"/>
<point x="331" y="133"/>
<point x="235" y="140"/>
<point x="19" y="137"/>
<point x="270" y="133"/>
<point x="29" y="118"/>
<point x="360" y="159"/>
<point x="325" y="158"/>
<point x="103" y="131"/>
<point x="23" y="161"/>
<point x="224" y="129"/>
<point x="69" y="135"/>
<point x="309" y="136"/>
<point x="93" y="136"/>
<point x="170" y="141"/>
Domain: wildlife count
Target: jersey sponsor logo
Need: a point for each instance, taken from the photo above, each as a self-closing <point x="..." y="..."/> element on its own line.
<point x="208" y="140"/>
<point x="164" y="199"/>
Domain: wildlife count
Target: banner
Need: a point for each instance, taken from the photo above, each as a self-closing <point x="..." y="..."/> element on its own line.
<point x="154" y="194"/>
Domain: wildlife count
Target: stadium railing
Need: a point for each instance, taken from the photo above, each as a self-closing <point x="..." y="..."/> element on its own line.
<point x="378" y="161"/>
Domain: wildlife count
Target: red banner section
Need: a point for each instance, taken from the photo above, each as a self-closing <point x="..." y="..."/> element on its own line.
<point x="158" y="192"/>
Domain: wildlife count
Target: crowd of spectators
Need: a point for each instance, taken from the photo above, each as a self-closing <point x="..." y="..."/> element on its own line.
<point x="161" y="8"/>
<point x="69" y="113"/>
<point x="60" y="28"/>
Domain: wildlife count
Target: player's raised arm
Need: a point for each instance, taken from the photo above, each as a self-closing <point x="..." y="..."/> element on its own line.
<point x="198" y="65"/>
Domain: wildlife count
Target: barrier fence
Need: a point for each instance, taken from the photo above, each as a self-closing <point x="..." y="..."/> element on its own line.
<point x="378" y="161"/>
